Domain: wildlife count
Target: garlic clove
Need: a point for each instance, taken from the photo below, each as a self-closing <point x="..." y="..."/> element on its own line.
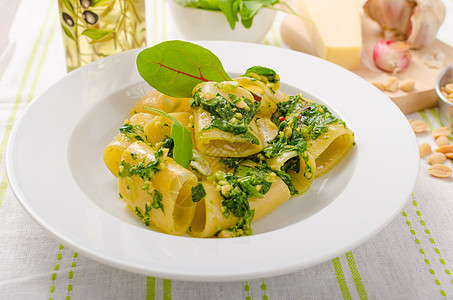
<point x="392" y="15"/>
<point x="426" y="19"/>
<point x="416" y="21"/>
<point x="391" y="56"/>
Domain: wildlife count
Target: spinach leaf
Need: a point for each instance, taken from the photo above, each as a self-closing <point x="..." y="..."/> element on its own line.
<point x="262" y="73"/>
<point x="246" y="9"/>
<point x="230" y="9"/>
<point x="176" y="67"/>
<point x="182" y="151"/>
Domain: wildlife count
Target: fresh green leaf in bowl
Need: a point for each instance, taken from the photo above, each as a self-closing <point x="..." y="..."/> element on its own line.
<point x="246" y="9"/>
<point x="175" y="67"/>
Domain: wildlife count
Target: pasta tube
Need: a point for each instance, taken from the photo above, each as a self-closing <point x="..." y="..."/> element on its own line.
<point x="213" y="213"/>
<point x="327" y="137"/>
<point x="267" y="98"/>
<point x="159" y="128"/>
<point x="209" y="218"/>
<point x="156" y="188"/>
<point x="131" y="131"/>
<point x="157" y="100"/>
<point x="223" y="120"/>
<point x="301" y="169"/>
<point x="330" y="147"/>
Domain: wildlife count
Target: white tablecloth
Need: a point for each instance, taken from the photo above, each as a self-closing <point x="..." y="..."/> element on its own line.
<point x="412" y="258"/>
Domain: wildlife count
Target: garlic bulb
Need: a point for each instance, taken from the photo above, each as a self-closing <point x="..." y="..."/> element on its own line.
<point x="416" y="21"/>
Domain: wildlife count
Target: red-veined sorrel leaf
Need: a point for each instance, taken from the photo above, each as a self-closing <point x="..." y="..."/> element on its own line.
<point x="176" y="67"/>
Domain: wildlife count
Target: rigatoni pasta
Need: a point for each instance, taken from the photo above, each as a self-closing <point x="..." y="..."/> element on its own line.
<point x="253" y="147"/>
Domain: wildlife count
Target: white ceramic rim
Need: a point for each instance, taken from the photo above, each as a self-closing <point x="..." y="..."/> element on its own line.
<point x="386" y="172"/>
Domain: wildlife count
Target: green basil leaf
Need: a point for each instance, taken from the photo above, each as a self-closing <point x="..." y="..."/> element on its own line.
<point x="182" y="152"/>
<point x="96" y="34"/>
<point x="176" y="67"/>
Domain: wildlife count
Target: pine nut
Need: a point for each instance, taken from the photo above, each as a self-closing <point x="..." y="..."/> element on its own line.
<point x="407" y="85"/>
<point x="391" y="84"/>
<point x="425" y="149"/>
<point x="419" y="126"/>
<point x="441" y="131"/>
<point x="436" y="158"/>
<point x="449" y="155"/>
<point x="442" y="141"/>
<point x="441" y="171"/>
<point x="445" y="149"/>
<point x="449" y="88"/>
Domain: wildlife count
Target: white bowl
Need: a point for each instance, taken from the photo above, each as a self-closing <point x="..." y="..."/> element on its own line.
<point x="201" y="24"/>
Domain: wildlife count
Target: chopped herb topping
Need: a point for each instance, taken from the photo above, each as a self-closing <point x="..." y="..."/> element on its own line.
<point x="157" y="200"/>
<point x="237" y="187"/>
<point x="142" y="169"/>
<point x="308" y="118"/>
<point x="230" y="162"/>
<point x="130" y="131"/>
<point x="145" y="215"/>
<point x="224" y="112"/>
<point x="169" y="144"/>
<point x="198" y="192"/>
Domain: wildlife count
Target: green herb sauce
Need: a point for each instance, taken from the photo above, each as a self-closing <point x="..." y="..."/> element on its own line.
<point x="308" y="118"/>
<point x="130" y="131"/>
<point x="224" y="114"/>
<point x="145" y="215"/>
<point x="144" y="170"/>
<point x="198" y="192"/>
<point x="236" y="188"/>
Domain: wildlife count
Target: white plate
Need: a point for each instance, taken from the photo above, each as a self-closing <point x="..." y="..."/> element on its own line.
<point x="55" y="167"/>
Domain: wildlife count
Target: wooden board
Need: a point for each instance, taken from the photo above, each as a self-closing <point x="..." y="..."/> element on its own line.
<point x="423" y="96"/>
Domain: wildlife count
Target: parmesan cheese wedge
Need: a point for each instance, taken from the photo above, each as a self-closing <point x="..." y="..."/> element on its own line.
<point x="335" y="30"/>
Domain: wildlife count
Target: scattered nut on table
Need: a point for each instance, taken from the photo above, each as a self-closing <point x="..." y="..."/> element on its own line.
<point x="425" y="149"/>
<point x="441" y="171"/>
<point x="436" y="158"/>
<point x="441" y="131"/>
<point x="442" y="141"/>
<point x="419" y="126"/>
<point x="444" y="149"/>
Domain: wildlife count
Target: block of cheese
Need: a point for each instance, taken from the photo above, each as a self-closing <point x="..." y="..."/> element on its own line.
<point x="335" y="29"/>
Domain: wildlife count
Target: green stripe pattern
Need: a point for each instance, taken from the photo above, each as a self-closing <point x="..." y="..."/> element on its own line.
<point x="356" y="276"/>
<point x="340" y="279"/>
<point x="422" y="252"/>
<point x="19" y="95"/>
<point x="431" y="239"/>
<point x="56" y="268"/>
<point x="167" y="284"/>
<point x="150" y="288"/>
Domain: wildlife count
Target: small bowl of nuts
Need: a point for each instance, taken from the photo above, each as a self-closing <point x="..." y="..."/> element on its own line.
<point x="444" y="90"/>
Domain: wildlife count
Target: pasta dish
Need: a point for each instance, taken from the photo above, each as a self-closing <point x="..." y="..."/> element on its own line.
<point x="251" y="146"/>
